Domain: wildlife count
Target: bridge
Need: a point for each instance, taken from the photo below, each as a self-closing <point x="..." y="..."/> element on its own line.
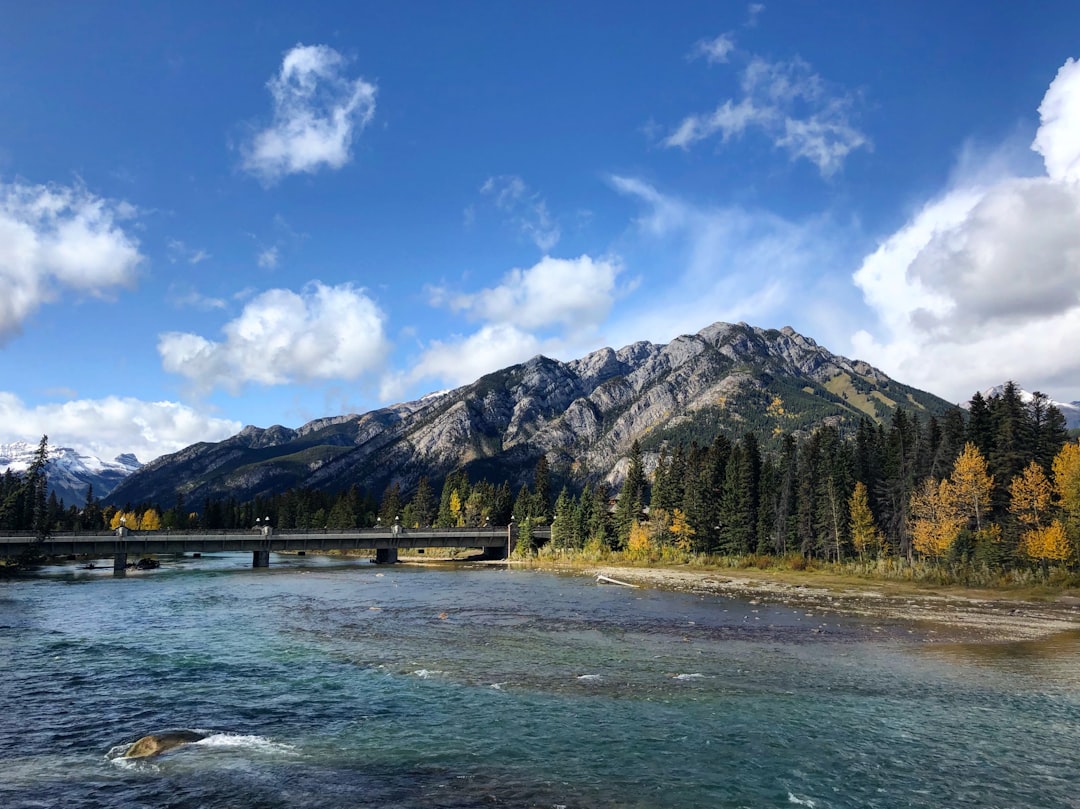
<point x="497" y="542"/>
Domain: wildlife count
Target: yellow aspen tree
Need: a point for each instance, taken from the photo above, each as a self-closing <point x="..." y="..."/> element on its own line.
<point x="864" y="533"/>
<point x="1049" y="544"/>
<point x="1066" y="469"/>
<point x="129" y="519"/>
<point x="934" y="521"/>
<point x="971" y="485"/>
<point x="1029" y="496"/>
<point x="150" y="520"/>
<point x="638" y="544"/>
<point x="682" y="531"/>
<point x="455" y="508"/>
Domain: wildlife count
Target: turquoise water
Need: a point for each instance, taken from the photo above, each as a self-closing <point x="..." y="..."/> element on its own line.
<point x="325" y="683"/>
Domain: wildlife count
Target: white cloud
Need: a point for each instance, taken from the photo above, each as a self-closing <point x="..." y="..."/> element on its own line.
<point x="576" y="294"/>
<point x="554" y="308"/>
<point x="54" y="238"/>
<point x="526" y="209"/>
<point x="791" y="105"/>
<point x="707" y="264"/>
<point x="283" y="337"/>
<point x="1057" y="139"/>
<point x="178" y="251"/>
<point x="715" y="50"/>
<point x="182" y="297"/>
<point x="462" y="359"/>
<point x="983" y="284"/>
<point x="268" y="259"/>
<point x="318" y="111"/>
<point x="112" y="426"/>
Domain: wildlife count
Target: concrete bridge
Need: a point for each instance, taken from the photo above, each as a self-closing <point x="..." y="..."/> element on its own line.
<point x="497" y="542"/>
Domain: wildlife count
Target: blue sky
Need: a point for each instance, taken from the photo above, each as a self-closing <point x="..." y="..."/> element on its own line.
<point x="230" y="213"/>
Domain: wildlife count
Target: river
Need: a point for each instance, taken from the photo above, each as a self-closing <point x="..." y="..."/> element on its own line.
<point x="336" y="683"/>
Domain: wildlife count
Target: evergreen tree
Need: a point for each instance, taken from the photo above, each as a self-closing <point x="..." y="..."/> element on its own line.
<point x="390" y="506"/>
<point x="542" y="491"/>
<point x="631" y="498"/>
<point x="423" y="503"/>
<point x="562" y="524"/>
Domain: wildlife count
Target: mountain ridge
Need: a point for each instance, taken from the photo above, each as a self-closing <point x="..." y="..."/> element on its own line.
<point x="582" y="415"/>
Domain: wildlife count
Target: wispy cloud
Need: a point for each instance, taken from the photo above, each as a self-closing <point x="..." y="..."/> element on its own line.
<point x="983" y="283"/>
<point x="282" y="337"/>
<point x="526" y="209"/>
<point x="788" y="103"/>
<point x="268" y="258"/>
<point x="55" y="238"/>
<point x="701" y="264"/>
<point x="178" y="251"/>
<point x="715" y="50"/>
<point x="182" y="297"/>
<point x="318" y="111"/>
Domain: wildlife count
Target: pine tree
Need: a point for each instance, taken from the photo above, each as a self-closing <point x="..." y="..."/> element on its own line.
<point x="542" y="491"/>
<point x="562" y="524"/>
<point x="36" y="483"/>
<point x="423" y="503"/>
<point x="631" y="498"/>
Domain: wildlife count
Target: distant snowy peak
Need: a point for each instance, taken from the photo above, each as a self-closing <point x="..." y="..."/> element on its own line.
<point x="1070" y="410"/>
<point x="69" y="471"/>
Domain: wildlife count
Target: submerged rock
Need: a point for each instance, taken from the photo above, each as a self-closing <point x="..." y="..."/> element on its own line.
<point x="157" y="743"/>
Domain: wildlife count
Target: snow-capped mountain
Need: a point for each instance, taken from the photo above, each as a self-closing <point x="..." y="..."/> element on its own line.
<point x="1070" y="410"/>
<point x="68" y="471"/>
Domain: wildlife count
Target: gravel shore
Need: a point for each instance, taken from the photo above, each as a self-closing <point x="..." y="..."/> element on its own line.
<point x="952" y="616"/>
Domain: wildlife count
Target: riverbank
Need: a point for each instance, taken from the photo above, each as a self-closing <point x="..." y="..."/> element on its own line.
<point x="946" y="614"/>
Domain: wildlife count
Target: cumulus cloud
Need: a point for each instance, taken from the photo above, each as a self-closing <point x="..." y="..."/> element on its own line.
<point x="465" y="358"/>
<point x="323" y="332"/>
<point x="1059" y="114"/>
<point x="791" y="105"/>
<point x="56" y="238"/>
<point x="526" y="209"/>
<point x="111" y="426"/>
<point x="318" y="111"/>
<point x="576" y="294"/>
<point x="554" y="308"/>
<point x="983" y="283"/>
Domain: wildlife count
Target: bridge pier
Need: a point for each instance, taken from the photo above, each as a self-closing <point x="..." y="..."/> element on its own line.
<point x="119" y="561"/>
<point x="260" y="558"/>
<point x="386" y="556"/>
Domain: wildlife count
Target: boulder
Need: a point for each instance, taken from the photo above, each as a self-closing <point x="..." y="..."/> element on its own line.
<point x="157" y="743"/>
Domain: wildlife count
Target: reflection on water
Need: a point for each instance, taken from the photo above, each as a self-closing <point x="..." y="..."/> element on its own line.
<point x="1053" y="658"/>
<point x="335" y="683"/>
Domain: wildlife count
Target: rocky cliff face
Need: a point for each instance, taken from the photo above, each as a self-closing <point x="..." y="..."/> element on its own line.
<point x="583" y="415"/>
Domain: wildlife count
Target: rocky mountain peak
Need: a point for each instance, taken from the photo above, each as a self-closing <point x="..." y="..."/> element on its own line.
<point x="583" y="415"/>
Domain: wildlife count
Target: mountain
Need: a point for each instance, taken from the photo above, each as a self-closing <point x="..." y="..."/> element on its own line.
<point x="1070" y="410"/>
<point x="69" y="472"/>
<point x="583" y="415"/>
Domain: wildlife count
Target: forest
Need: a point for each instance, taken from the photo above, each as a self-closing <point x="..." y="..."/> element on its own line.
<point x="997" y="486"/>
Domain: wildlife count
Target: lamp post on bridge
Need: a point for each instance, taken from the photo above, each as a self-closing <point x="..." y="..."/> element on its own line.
<point x="509" y="531"/>
<point x="261" y="557"/>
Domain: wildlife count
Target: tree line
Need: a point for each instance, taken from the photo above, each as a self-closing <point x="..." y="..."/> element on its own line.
<point x="998" y="485"/>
